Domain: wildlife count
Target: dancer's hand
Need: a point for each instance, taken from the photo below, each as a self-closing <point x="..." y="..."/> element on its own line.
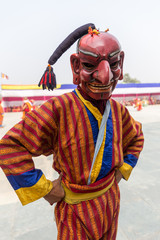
<point x="118" y="175"/>
<point x="57" y="193"/>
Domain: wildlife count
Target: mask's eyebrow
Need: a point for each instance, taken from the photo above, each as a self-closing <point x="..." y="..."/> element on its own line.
<point x="114" y="53"/>
<point x="88" y="53"/>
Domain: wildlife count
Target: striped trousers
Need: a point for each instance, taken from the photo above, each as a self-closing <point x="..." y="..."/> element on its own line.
<point x="93" y="219"/>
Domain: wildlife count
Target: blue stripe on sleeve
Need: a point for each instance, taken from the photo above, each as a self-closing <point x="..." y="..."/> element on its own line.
<point x="26" y="179"/>
<point x="131" y="160"/>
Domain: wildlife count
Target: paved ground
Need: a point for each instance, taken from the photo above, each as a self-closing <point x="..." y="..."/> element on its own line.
<point x="140" y="205"/>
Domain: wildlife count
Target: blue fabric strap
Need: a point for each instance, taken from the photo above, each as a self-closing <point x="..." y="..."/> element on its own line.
<point x="100" y="136"/>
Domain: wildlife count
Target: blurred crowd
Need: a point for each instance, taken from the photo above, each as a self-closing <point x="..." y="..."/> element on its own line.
<point x="29" y="104"/>
<point x="141" y="102"/>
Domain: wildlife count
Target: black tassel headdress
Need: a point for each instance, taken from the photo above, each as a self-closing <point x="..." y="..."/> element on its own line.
<point x="48" y="79"/>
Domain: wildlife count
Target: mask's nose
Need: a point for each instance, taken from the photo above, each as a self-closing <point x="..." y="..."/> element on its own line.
<point x="103" y="73"/>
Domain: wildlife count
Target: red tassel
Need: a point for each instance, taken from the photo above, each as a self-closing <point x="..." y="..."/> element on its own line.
<point x="48" y="80"/>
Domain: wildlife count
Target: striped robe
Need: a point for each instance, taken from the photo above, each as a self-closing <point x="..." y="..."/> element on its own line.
<point x="67" y="126"/>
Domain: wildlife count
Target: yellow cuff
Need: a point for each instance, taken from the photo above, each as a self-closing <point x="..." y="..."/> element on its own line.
<point x="30" y="194"/>
<point x="126" y="170"/>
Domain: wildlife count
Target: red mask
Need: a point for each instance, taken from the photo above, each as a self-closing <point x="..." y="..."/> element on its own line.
<point x="98" y="65"/>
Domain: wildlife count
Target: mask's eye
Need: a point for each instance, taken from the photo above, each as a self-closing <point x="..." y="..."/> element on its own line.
<point x="88" y="66"/>
<point x="114" y="65"/>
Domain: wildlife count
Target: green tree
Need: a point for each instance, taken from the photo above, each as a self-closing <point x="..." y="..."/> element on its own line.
<point x="128" y="79"/>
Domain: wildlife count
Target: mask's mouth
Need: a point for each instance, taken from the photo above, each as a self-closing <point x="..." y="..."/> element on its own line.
<point x="98" y="86"/>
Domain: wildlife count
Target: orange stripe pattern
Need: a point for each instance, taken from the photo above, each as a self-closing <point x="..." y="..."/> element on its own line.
<point x="93" y="219"/>
<point x="62" y="126"/>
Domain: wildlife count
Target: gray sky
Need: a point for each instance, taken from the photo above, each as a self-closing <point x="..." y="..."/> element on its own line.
<point x="30" y="30"/>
